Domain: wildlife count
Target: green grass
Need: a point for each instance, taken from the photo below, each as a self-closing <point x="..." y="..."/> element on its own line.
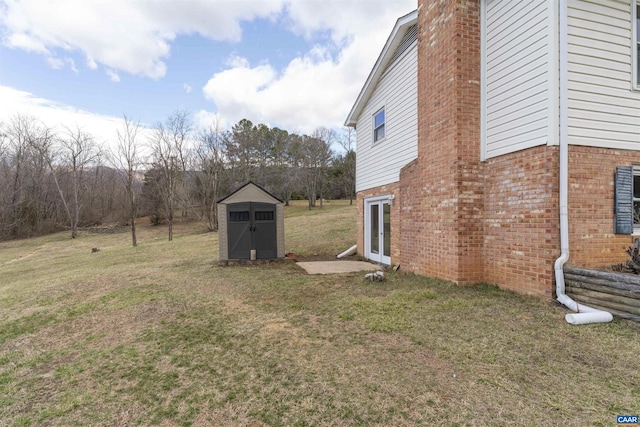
<point x="161" y="335"/>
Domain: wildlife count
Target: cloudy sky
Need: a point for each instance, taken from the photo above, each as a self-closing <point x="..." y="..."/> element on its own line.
<point x="296" y="64"/>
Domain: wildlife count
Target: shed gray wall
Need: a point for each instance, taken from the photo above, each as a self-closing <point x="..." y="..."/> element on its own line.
<point x="223" y="238"/>
<point x="280" y="229"/>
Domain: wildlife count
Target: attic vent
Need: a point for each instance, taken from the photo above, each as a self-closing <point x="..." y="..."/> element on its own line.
<point x="407" y="40"/>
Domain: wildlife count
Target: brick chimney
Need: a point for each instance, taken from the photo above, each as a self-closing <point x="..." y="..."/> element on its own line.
<point x="442" y="198"/>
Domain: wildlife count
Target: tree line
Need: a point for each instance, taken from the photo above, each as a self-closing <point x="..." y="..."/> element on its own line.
<point x="55" y="179"/>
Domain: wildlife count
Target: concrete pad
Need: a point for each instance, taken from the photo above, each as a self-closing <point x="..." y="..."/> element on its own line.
<point x="334" y="267"/>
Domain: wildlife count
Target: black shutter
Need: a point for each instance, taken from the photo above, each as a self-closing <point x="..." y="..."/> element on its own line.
<point x="624" y="200"/>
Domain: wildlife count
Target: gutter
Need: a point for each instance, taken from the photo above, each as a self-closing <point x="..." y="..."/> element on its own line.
<point x="583" y="314"/>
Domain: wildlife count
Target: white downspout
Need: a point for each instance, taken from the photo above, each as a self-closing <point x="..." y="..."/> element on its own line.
<point x="352" y="250"/>
<point x="583" y="314"/>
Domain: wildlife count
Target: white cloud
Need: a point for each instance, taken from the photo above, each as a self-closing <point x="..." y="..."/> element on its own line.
<point x="235" y="61"/>
<point x="187" y="88"/>
<point x="113" y="76"/>
<point x="318" y="88"/>
<point x="315" y="89"/>
<point x="233" y="89"/>
<point x="347" y="19"/>
<point x="91" y="63"/>
<point x="72" y="64"/>
<point x="24" y="42"/>
<point x="59" y="63"/>
<point x="56" y="115"/>
<point x="55" y="63"/>
<point x="124" y="35"/>
<point x="207" y="119"/>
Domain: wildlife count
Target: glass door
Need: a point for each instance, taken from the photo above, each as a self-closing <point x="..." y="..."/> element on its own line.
<point x="378" y="230"/>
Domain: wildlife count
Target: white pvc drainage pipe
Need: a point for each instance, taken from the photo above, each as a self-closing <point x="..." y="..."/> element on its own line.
<point x="350" y="251"/>
<point x="583" y="314"/>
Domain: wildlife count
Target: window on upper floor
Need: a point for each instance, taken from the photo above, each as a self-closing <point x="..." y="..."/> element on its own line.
<point x="379" y="125"/>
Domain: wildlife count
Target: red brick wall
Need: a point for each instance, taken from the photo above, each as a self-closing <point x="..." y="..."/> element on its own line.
<point x="591" y="194"/>
<point x="522" y="231"/>
<point x="521" y="220"/>
<point x="441" y="193"/>
<point x="390" y="189"/>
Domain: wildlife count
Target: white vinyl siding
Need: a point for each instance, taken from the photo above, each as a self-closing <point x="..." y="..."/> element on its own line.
<point x="635" y="48"/>
<point x="397" y="91"/>
<point x="603" y="109"/>
<point x="516" y="91"/>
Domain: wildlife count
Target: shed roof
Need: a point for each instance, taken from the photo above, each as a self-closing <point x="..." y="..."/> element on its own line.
<point x="249" y="190"/>
<point x="386" y="57"/>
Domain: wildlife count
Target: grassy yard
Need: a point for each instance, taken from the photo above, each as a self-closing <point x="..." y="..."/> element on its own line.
<point x="160" y="335"/>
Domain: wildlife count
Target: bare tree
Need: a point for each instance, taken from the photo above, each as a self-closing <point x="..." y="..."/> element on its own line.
<point x="283" y="179"/>
<point x="179" y="130"/>
<point x="209" y="155"/>
<point x="12" y="145"/>
<point x="4" y="137"/>
<point x="48" y="179"/>
<point x="348" y="172"/>
<point x="23" y="169"/>
<point x="292" y="171"/>
<point x="126" y="157"/>
<point x="21" y="131"/>
<point x="4" y="173"/>
<point x="316" y="158"/>
<point x="169" y="145"/>
<point x="77" y="152"/>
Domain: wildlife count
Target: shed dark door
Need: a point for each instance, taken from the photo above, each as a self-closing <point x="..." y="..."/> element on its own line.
<point x="252" y="225"/>
<point x="264" y="230"/>
<point x="239" y="230"/>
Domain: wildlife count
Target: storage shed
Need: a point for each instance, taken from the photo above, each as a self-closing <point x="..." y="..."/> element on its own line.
<point x="250" y="219"/>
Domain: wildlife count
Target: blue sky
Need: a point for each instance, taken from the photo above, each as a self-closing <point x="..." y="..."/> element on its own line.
<point x="293" y="64"/>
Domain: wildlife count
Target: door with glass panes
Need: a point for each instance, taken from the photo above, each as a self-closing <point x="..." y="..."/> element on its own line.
<point x="378" y="230"/>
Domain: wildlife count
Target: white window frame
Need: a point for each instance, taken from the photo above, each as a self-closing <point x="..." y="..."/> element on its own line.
<point x="383" y="125"/>
<point x="635" y="45"/>
<point x="369" y="252"/>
